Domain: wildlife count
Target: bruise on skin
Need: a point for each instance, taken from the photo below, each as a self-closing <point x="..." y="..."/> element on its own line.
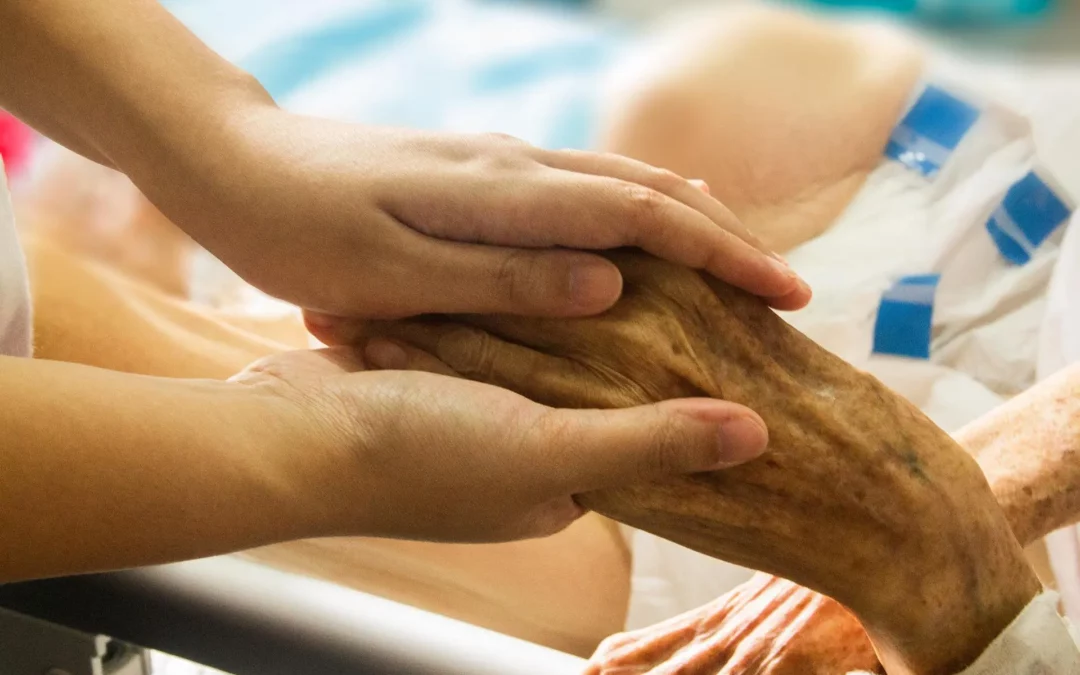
<point x="914" y="466"/>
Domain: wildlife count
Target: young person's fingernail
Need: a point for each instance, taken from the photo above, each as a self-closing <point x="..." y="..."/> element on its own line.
<point x="741" y="440"/>
<point x="595" y="285"/>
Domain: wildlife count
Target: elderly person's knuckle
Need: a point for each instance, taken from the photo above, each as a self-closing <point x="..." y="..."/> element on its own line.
<point x="468" y="351"/>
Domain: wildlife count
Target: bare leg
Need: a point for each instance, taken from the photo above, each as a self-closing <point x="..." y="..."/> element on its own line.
<point x="568" y="591"/>
<point x="784" y="116"/>
<point x="85" y="313"/>
<point x="97" y="212"/>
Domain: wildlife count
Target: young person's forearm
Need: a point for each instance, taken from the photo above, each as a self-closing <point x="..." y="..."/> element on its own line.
<point x="120" y="81"/>
<point x="1029" y="449"/>
<point x="102" y="470"/>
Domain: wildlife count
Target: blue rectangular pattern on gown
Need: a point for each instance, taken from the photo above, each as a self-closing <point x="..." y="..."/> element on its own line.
<point x="1029" y="214"/>
<point x="905" y="317"/>
<point x="930" y="132"/>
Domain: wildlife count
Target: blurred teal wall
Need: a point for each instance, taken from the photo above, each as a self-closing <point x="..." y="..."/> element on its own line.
<point x="954" y="11"/>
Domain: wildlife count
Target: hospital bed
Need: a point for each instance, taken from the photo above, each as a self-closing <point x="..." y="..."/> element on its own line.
<point x="245" y="619"/>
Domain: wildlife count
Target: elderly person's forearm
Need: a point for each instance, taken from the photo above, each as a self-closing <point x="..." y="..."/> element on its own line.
<point x="1029" y="449"/>
<point x="861" y="497"/>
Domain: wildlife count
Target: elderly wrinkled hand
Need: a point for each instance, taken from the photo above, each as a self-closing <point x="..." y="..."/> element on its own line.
<point x="860" y="497"/>
<point x="767" y="626"/>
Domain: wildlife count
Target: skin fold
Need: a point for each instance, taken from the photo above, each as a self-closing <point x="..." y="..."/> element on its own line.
<point x="861" y="497"/>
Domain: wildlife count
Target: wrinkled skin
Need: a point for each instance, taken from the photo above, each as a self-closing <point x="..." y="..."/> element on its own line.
<point x="1026" y="449"/>
<point x="767" y="626"/>
<point x="861" y="497"/>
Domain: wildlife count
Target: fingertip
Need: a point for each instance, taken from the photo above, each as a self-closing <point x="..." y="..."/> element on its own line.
<point x="740" y="433"/>
<point x="794" y="300"/>
<point x="321" y="319"/>
<point x="757" y="271"/>
<point x="741" y="440"/>
<point x="385" y="354"/>
<point x="770" y="278"/>
<point x="594" y="285"/>
<point x="543" y="283"/>
<point x="323" y="326"/>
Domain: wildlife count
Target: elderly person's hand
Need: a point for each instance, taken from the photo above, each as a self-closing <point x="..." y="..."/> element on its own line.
<point x="860" y="497"/>
<point x="770" y="626"/>
<point x="767" y="626"/>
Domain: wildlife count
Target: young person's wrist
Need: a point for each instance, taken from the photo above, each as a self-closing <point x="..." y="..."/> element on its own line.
<point x="296" y="462"/>
<point x="177" y="150"/>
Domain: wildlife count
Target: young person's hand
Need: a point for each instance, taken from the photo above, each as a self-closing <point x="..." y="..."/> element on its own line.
<point x="426" y="456"/>
<point x="376" y="222"/>
<point x="349" y="219"/>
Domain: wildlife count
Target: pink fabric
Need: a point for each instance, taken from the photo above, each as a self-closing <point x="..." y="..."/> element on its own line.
<point x="16" y="142"/>
<point x="15" y="316"/>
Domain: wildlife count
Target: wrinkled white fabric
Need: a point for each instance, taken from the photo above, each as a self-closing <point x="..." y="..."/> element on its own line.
<point x="15" y="323"/>
<point x="1038" y="642"/>
<point x="1059" y="347"/>
<point x="987" y="311"/>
